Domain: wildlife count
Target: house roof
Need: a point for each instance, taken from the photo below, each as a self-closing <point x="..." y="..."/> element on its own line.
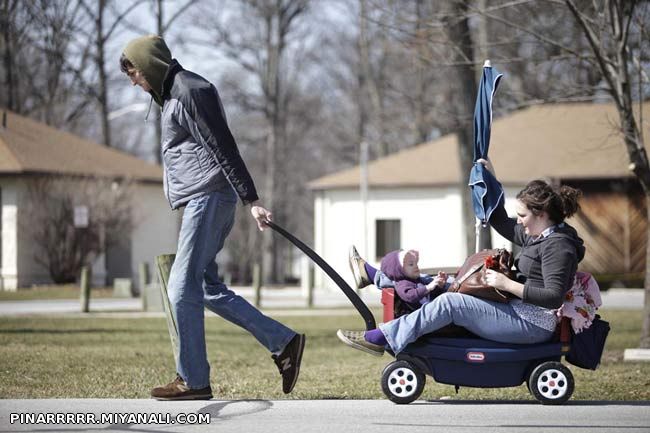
<point x="567" y="141"/>
<point x="28" y="146"/>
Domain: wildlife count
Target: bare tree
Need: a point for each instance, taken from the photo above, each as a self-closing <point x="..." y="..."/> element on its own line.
<point x="464" y="73"/>
<point x="104" y="28"/>
<point x="163" y="24"/>
<point x="62" y="248"/>
<point x="12" y="30"/>
<point x="259" y="47"/>
<point x="608" y="31"/>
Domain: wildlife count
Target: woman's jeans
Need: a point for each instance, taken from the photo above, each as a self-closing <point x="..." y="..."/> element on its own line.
<point x="194" y="284"/>
<point x="491" y="320"/>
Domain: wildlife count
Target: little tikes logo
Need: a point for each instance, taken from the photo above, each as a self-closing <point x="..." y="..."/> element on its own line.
<point x="475" y="356"/>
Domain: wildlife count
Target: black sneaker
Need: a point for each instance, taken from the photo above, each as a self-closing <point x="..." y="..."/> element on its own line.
<point x="358" y="269"/>
<point x="288" y="362"/>
<point x="177" y="390"/>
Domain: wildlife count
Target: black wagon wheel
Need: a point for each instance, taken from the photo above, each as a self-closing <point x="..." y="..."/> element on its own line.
<point x="401" y="382"/>
<point x="551" y="382"/>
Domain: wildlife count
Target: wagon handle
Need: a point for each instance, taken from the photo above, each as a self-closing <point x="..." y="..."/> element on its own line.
<point x="361" y="307"/>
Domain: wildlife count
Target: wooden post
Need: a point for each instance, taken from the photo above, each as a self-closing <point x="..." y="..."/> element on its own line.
<point x="84" y="282"/>
<point x="144" y="281"/>
<point x="164" y="263"/>
<point x="257" y="284"/>
<point x="310" y="293"/>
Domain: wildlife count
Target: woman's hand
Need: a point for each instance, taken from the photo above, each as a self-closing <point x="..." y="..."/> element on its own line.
<point x="500" y="282"/>
<point x="496" y="279"/>
<point x="488" y="165"/>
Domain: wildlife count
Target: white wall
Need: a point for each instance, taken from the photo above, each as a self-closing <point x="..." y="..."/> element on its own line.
<point x="499" y="241"/>
<point x="430" y="222"/>
<point x="19" y="267"/>
<point x="155" y="228"/>
<point x="155" y="232"/>
<point x="9" y="215"/>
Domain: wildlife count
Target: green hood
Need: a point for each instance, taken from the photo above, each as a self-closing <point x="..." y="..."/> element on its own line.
<point x="151" y="56"/>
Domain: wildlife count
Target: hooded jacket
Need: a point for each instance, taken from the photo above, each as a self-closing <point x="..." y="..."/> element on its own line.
<point x="409" y="290"/>
<point x="199" y="153"/>
<point x="546" y="266"/>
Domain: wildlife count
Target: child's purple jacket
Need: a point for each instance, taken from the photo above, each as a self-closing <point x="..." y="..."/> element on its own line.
<point x="408" y="290"/>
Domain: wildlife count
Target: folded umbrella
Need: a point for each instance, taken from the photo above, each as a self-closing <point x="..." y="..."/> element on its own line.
<point x="487" y="192"/>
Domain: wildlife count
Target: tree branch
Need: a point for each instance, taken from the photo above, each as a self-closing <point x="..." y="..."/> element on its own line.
<point x="178" y="13"/>
<point x="605" y="64"/>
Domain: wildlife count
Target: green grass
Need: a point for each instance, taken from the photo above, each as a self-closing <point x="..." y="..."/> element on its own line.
<point x="92" y="357"/>
<point x="65" y="291"/>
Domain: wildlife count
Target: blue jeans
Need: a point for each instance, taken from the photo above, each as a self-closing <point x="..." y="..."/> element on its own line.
<point x="491" y="320"/>
<point x="194" y="284"/>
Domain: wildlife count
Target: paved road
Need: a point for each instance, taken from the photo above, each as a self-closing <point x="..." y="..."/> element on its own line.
<point x="272" y="299"/>
<point x="350" y="416"/>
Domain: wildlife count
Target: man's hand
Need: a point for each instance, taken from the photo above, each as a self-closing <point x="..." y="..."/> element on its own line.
<point x="261" y="215"/>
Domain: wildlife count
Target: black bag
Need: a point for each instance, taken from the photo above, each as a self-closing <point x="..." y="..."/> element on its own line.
<point x="587" y="346"/>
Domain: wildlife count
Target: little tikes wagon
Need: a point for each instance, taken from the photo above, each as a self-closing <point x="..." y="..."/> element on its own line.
<point x="456" y="357"/>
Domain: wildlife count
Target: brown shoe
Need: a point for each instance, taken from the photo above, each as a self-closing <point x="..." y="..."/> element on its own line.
<point x="358" y="269"/>
<point x="177" y="390"/>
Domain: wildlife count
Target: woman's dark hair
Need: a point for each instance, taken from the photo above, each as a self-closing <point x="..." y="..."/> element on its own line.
<point x="125" y="64"/>
<point x="560" y="203"/>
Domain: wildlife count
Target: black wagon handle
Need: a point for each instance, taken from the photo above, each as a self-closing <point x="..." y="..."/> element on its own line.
<point x="361" y="307"/>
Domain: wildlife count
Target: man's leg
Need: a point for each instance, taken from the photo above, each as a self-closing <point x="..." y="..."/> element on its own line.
<point x="285" y="345"/>
<point x="221" y="300"/>
<point x="491" y="320"/>
<point x="207" y="220"/>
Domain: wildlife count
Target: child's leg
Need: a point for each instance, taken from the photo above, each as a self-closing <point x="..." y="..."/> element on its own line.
<point x="375" y="336"/>
<point x="371" y="271"/>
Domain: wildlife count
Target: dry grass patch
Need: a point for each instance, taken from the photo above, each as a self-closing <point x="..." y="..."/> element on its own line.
<point x="48" y="357"/>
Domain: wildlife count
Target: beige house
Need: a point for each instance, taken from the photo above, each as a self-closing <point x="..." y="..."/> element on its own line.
<point x="414" y="197"/>
<point x="30" y="150"/>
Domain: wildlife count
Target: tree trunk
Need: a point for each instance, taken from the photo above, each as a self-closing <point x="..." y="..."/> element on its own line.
<point x="422" y="127"/>
<point x="160" y="27"/>
<point x="612" y="60"/>
<point x="269" y="195"/>
<point x="271" y="90"/>
<point x="644" y="342"/>
<point x="458" y="32"/>
<point x="101" y="68"/>
<point x="7" y="11"/>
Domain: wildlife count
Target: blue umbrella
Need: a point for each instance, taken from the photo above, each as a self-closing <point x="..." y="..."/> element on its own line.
<point x="487" y="192"/>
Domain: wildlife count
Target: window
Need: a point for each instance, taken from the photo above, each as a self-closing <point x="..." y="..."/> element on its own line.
<point x="388" y="236"/>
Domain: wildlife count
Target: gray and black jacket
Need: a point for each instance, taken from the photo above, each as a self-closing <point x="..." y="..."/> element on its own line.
<point x="198" y="150"/>
<point x="546" y="266"/>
